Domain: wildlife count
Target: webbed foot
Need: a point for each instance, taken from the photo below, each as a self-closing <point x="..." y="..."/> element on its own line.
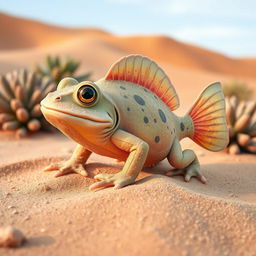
<point x="108" y="180"/>
<point x="66" y="168"/>
<point x="193" y="170"/>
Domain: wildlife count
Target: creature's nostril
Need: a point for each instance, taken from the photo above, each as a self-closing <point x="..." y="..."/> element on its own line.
<point x="58" y="98"/>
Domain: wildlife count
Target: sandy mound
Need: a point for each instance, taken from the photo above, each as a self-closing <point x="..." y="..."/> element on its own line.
<point x="156" y="216"/>
<point x="19" y="33"/>
<point x="166" y="49"/>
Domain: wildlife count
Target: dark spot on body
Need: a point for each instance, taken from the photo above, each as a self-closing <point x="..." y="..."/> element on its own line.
<point x="155" y="97"/>
<point x="162" y="115"/>
<point x="145" y="90"/>
<point x="155" y="120"/>
<point x="128" y="109"/>
<point x="187" y="128"/>
<point x="142" y="109"/>
<point x="157" y="139"/>
<point x="139" y="100"/>
<point x="167" y="127"/>
<point x="122" y="87"/>
<point x="145" y="120"/>
<point x="126" y="97"/>
<point x="182" y="126"/>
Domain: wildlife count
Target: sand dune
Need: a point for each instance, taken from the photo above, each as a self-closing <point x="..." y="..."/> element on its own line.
<point x="185" y="55"/>
<point x="17" y="33"/>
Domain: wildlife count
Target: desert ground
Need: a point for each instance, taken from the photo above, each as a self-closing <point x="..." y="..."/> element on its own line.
<point x="158" y="215"/>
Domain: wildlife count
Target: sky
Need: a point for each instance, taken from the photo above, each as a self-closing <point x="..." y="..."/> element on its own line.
<point x="226" y="26"/>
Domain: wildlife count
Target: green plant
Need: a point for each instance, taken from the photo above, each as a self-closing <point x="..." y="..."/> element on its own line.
<point x="241" y="119"/>
<point x="20" y="95"/>
<point x="57" y="69"/>
<point x="238" y="89"/>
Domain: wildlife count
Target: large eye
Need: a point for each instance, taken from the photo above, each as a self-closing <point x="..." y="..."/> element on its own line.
<point x="87" y="94"/>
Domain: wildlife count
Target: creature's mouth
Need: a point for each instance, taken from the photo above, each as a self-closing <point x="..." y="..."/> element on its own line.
<point x="91" y="118"/>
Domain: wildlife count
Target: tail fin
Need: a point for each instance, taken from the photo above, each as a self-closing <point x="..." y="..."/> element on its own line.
<point x="209" y="119"/>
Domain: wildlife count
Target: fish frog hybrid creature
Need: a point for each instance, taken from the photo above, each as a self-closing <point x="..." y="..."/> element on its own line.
<point x="128" y="115"/>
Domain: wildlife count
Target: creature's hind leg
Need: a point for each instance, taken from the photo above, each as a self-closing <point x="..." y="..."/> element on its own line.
<point x="185" y="162"/>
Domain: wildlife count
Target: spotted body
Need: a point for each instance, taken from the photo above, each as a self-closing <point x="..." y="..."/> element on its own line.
<point x="128" y="115"/>
<point x="143" y="114"/>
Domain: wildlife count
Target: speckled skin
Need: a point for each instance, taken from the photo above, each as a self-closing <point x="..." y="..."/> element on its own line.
<point x="142" y="118"/>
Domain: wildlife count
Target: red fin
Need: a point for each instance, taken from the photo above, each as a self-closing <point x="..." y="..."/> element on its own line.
<point x="209" y="119"/>
<point x="145" y="72"/>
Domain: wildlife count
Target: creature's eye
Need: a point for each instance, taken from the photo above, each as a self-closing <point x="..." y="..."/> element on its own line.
<point x="87" y="94"/>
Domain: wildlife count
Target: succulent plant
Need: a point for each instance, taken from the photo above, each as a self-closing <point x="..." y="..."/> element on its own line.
<point x="20" y="95"/>
<point x="241" y="118"/>
<point x="56" y="69"/>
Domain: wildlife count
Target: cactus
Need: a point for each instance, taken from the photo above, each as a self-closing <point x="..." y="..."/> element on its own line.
<point x="20" y="95"/>
<point x="57" y="69"/>
<point x="241" y="118"/>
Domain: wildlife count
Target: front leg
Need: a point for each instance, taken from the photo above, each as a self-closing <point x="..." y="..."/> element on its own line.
<point x="138" y="151"/>
<point x="74" y="164"/>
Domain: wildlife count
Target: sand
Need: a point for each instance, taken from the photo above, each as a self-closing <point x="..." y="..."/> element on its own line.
<point x="158" y="215"/>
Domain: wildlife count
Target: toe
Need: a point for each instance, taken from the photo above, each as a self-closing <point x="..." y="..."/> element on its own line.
<point x="103" y="176"/>
<point x="202" y="178"/>
<point x="63" y="171"/>
<point x="187" y="177"/>
<point x="101" y="184"/>
<point x="123" y="184"/>
<point x="58" y="174"/>
<point x="52" y="167"/>
<point x="174" y="172"/>
<point x="83" y="173"/>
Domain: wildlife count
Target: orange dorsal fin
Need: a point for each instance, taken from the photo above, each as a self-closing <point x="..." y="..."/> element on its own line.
<point x="141" y="70"/>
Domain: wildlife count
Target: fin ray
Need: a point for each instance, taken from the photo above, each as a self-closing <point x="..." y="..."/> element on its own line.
<point x="199" y="104"/>
<point x="209" y="119"/>
<point x="146" y="73"/>
<point x="209" y="114"/>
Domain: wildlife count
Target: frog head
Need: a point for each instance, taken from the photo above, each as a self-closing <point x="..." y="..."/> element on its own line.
<point x="81" y="111"/>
